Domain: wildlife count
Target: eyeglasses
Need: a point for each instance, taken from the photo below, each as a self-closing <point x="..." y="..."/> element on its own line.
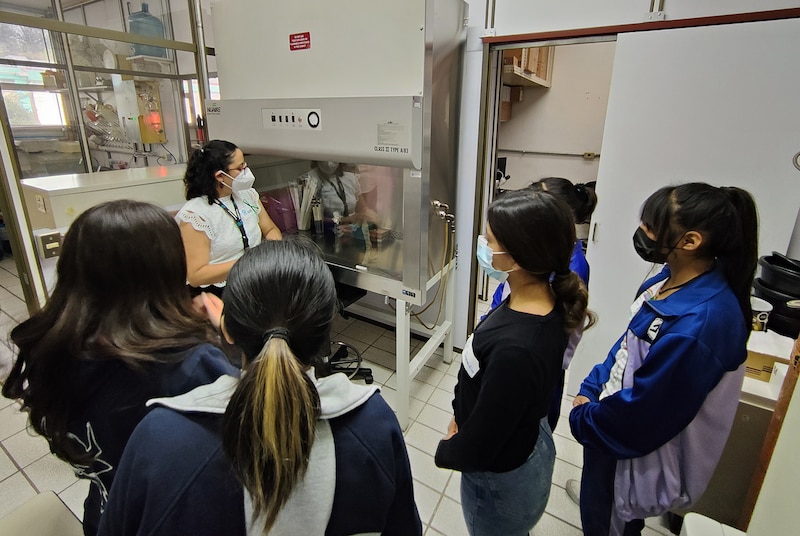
<point x="241" y="167"/>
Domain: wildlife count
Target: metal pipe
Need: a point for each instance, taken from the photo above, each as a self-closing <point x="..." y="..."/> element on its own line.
<point x="199" y="38"/>
<point x="523" y="152"/>
<point x="91" y="31"/>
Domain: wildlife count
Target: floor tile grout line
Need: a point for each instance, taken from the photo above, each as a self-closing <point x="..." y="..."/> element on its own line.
<point x="438" y="502"/>
<point x="565" y="521"/>
<point x="568" y="437"/>
<point x="19" y="469"/>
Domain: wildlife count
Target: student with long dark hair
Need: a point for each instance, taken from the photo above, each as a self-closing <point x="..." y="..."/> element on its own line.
<point x="499" y="437"/>
<point x="582" y="200"/>
<point x="655" y="416"/>
<point x="223" y="215"/>
<point x="279" y="451"/>
<point x="118" y="329"/>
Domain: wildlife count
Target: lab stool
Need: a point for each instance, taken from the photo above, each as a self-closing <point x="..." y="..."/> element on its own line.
<point x="699" y="525"/>
<point x="344" y="357"/>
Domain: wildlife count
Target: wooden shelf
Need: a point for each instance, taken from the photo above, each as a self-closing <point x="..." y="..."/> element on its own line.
<point x="517" y="76"/>
<point x="528" y="66"/>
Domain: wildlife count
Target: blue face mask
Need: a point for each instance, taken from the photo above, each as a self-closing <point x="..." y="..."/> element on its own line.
<point x="485" y="255"/>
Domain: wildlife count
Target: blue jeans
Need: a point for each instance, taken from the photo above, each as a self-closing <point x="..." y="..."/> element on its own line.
<point x="510" y="503"/>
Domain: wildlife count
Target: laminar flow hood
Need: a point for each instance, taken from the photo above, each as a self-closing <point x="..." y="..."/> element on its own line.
<point x="370" y="84"/>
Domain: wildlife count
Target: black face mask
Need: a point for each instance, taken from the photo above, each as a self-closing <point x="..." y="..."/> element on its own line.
<point x="647" y="248"/>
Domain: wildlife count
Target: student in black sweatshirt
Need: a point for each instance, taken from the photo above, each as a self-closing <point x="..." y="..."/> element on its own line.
<point x="499" y="437"/>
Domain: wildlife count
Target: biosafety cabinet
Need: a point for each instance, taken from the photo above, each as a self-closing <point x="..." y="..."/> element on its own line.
<point x="369" y="84"/>
<point x="347" y="113"/>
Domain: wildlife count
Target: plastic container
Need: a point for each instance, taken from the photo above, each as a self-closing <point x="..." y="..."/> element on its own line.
<point x="761" y="310"/>
<point x="143" y="23"/>
<point x="783" y="303"/>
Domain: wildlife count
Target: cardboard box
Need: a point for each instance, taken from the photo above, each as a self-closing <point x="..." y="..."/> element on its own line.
<point x="505" y="111"/>
<point x="764" y="349"/>
<point x="513" y="57"/>
<point x="54" y="79"/>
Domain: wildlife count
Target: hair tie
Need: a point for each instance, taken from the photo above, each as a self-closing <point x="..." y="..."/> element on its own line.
<point x="278" y="333"/>
<point x="563" y="273"/>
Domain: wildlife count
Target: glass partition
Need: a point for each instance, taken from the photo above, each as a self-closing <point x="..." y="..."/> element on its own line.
<point x="33" y="8"/>
<point x="353" y="212"/>
<point x="43" y="125"/>
<point x="130" y="104"/>
<point x="168" y="19"/>
<point x="26" y="44"/>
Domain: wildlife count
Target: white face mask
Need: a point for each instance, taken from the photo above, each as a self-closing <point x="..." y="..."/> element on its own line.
<point x="243" y="181"/>
<point x="328" y="166"/>
<point x="485" y="256"/>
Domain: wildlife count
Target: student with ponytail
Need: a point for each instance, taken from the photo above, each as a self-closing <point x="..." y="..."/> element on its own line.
<point x="499" y="437"/>
<point x="582" y="200"/>
<point x="655" y="416"/>
<point x="279" y="451"/>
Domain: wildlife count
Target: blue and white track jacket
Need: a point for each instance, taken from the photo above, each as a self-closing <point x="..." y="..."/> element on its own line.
<point x="664" y="415"/>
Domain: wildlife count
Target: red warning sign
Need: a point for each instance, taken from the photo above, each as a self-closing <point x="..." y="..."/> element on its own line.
<point x="300" y="41"/>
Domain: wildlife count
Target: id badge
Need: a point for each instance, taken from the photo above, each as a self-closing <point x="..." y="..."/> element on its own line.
<point x="468" y="359"/>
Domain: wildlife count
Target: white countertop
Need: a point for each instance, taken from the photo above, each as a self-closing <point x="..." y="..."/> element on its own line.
<point x="87" y="182"/>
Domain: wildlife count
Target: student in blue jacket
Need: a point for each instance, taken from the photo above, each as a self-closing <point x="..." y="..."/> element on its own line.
<point x="279" y="451"/>
<point x="499" y="437"/>
<point x="655" y="416"/>
<point x="118" y="329"/>
<point x="582" y="201"/>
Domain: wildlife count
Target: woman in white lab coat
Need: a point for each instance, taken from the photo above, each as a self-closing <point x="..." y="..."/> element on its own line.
<point x="222" y="217"/>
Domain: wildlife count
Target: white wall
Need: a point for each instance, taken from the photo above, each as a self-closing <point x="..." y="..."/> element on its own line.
<point x="530" y="16"/>
<point x="568" y="117"/>
<point x="467" y="172"/>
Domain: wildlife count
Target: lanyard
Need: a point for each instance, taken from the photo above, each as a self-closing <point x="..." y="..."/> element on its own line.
<point x="339" y="188"/>
<point x="237" y="220"/>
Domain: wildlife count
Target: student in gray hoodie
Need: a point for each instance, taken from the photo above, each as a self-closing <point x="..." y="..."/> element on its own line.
<point x="279" y="451"/>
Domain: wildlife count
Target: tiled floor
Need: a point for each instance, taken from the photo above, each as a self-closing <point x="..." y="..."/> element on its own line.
<point x="26" y="467"/>
<point x="437" y="490"/>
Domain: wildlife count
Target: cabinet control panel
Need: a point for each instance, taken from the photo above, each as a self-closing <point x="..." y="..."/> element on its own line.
<point x="291" y="118"/>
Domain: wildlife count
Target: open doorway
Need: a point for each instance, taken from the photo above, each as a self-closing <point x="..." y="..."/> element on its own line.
<point x="551" y="114"/>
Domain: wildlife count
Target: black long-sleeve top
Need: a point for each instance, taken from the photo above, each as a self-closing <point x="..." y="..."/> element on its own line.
<point x="515" y="360"/>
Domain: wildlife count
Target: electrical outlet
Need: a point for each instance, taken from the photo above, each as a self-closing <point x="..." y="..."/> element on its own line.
<point x="48" y="243"/>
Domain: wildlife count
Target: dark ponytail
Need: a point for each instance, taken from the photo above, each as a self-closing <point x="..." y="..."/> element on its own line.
<point x="580" y="197"/>
<point x="537" y="229"/>
<point x="573" y="296"/>
<point x="268" y="428"/>
<point x="727" y="219"/>
<point x="739" y="254"/>
<point x="203" y="164"/>
<point x="279" y="305"/>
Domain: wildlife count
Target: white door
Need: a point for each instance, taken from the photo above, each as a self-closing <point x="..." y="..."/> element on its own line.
<point x="719" y="104"/>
